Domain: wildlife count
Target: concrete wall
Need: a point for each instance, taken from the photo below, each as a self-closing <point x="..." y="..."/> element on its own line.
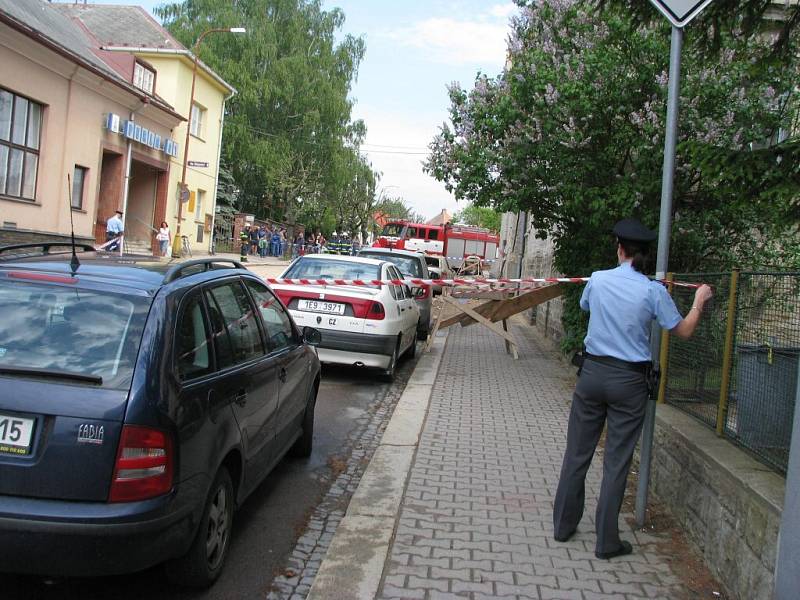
<point x="728" y="504"/>
<point x="519" y="243"/>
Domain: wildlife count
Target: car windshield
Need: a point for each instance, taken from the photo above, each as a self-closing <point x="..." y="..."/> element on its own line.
<point x="324" y="268"/>
<point x="52" y="328"/>
<point x="407" y="264"/>
<point x="392" y="229"/>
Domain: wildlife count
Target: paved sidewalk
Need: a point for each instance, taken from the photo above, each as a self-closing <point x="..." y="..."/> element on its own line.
<point x="475" y="518"/>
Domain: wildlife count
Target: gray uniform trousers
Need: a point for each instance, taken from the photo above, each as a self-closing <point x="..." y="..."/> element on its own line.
<point x="604" y="392"/>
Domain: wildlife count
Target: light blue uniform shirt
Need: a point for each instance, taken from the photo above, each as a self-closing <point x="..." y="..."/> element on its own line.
<point x="622" y="303"/>
<point x="114" y="225"/>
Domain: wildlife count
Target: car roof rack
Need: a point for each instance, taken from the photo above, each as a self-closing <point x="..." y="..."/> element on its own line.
<point x="176" y="271"/>
<point x="45" y="249"/>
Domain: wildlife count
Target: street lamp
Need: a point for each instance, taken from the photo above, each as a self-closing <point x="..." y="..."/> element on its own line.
<point x="184" y="193"/>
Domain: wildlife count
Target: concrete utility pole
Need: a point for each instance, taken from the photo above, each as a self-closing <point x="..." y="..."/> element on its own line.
<point x="787" y="573"/>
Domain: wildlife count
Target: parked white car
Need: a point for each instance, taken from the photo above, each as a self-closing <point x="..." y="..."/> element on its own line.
<point x="370" y="326"/>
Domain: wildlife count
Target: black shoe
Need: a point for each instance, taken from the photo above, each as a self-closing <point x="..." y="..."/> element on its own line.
<point x="624" y="548"/>
<point x="564" y="538"/>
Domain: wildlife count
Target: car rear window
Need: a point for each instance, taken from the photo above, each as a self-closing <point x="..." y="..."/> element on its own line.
<point x="406" y="264"/>
<point x="324" y="268"/>
<point x="70" y="329"/>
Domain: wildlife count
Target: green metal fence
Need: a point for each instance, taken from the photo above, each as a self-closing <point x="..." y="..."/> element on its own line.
<point x="738" y="373"/>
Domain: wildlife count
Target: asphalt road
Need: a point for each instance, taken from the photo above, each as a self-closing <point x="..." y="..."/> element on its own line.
<point x="267" y="525"/>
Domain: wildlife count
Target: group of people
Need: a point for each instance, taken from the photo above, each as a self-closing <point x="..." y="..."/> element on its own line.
<point x="263" y="241"/>
<point x="342" y="244"/>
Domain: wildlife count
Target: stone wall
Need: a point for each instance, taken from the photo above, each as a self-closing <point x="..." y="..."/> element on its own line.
<point x="9" y="236"/>
<point x="728" y="504"/>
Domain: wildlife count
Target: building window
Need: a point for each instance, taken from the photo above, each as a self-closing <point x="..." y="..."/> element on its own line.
<point x="197" y="120"/>
<point x="144" y="78"/>
<point x="199" y="203"/>
<point x="20" y="129"/>
<point x="78" y="182"/>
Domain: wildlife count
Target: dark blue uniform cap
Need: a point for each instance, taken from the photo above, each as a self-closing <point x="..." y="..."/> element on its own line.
<point x="632" y="230"/>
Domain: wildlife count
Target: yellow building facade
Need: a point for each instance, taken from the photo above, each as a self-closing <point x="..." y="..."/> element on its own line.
<point x="205" y="118"/>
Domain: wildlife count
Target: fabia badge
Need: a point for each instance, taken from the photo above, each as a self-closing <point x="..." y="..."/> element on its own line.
<point x="90" y="434"/>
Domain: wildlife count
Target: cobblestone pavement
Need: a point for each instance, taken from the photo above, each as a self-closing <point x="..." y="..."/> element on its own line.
<point x="296" y="579"/>
<point x="476" y="518"/>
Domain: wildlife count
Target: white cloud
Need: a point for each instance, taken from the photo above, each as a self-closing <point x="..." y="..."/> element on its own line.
<point x="389" y="136"/>
<point x="452" y="41"/>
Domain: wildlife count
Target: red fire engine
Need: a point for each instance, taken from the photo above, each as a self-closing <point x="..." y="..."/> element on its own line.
<point x="453" y="241"/>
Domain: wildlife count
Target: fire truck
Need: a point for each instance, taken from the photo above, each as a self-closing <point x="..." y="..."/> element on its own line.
<point x="452" y="241"/>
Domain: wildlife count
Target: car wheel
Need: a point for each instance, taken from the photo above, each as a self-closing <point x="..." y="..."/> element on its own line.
<point x="389" y="372"/>
<point x="302" y="447"/>
<point x="203" y="563"/>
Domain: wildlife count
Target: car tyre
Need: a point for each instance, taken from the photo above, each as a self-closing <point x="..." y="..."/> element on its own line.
<point x="304" y="444"/>
<point x="203" y="563"/>
<point x="389" y="372"/>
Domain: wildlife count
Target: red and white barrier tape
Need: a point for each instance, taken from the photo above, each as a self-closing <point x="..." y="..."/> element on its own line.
<point x="477" y="281"/>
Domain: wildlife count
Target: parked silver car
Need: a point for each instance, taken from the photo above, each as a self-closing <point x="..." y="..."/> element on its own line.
<point x="411" y="264"/>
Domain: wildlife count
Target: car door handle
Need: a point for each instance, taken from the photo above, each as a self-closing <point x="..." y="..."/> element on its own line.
<point x="241" y="398"/>
<point x="282" y="375"/>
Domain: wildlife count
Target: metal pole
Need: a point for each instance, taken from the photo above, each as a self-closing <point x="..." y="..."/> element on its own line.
<point x="662" y="259"/>
<point x="177" y="243"/>
<point x="787" y="575"/>
<point x="727" y="355"/>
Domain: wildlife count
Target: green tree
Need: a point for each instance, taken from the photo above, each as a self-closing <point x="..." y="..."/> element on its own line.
<point x="479" y="216"/>
<point x="572" y="132"/>
<point x="292" y="111"/>
<point x="227" y="193"/>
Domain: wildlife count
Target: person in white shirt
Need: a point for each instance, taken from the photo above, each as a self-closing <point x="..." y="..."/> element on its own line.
<point x="164" y="238"/>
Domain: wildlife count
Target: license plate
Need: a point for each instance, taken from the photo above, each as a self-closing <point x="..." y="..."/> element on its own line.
<point x="15" y="434"/>
<point x="320" y="306"/>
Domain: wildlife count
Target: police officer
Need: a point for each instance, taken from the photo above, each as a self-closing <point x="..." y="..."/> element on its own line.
<point x="612" y="386"/>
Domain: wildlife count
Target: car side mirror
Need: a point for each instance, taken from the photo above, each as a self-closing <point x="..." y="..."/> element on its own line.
<point x="418" y="292"/>
<point x="312" y="336"/>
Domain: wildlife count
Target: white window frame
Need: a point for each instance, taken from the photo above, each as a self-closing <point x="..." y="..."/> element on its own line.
<point x="144" y="77"/>
<point x="196" y="120"/>
<point x="199" y="200"/>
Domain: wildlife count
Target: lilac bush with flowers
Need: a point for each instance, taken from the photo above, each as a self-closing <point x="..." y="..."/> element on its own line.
<point x="572" y="131"/>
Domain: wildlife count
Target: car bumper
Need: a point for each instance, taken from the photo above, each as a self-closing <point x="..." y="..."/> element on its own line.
<point x="349" y="348"/>
<point x="55" y="538"/>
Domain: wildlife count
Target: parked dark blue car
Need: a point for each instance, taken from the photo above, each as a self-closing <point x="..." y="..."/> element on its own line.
<point x="140" y="403"/>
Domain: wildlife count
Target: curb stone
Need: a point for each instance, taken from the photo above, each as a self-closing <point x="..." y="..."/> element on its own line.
<point x="353" y="566"/>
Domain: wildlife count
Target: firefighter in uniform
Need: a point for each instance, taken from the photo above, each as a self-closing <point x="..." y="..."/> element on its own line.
<point x="614" y="383"/>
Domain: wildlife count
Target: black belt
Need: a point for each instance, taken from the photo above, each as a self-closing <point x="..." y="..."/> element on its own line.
<point x="639" y="367"/>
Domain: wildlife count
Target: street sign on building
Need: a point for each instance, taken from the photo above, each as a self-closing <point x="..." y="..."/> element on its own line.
<point x="680" y="12"/>
<point x="197" y="163"/>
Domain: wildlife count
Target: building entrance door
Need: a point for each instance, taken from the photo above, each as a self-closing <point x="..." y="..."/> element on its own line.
<point x="112" y="176"/>
<point x="139" y="228"/>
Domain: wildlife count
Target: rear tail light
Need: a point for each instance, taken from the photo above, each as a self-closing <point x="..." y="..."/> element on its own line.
<point x="284" y="295"/>
<point x="144" y="466"/>
<point x="375" y="311"/>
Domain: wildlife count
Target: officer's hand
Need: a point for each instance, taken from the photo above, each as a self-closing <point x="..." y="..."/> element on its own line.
<point x="702" y="295"/>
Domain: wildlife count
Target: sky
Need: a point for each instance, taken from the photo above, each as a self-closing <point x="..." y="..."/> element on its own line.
<point x="414" y="49"/>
